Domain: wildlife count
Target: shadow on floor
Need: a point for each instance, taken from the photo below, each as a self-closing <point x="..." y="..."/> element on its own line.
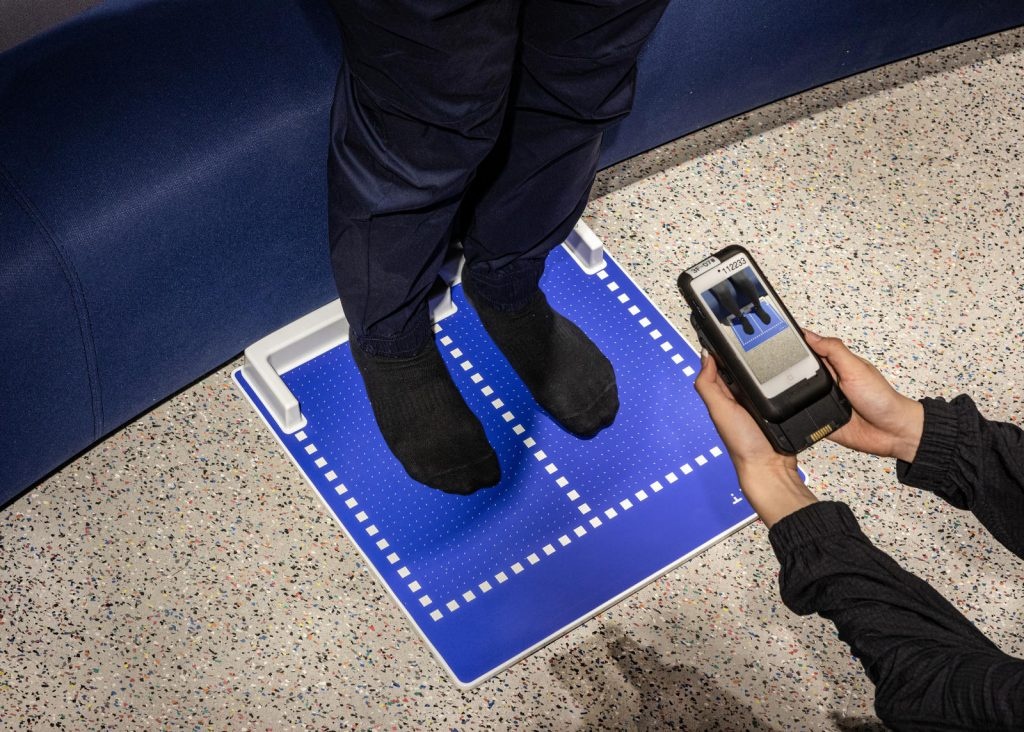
<point x="858" y="724"/>
<point x="803" y="105"/>
<point x="646" y="694"/>
<point x="637" y="691"/>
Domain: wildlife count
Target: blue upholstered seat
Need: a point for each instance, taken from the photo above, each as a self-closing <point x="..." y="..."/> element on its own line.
<point x="162" y="182"/>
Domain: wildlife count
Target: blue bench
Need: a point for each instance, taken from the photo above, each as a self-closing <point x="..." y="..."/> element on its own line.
<point x="162" y="182"/>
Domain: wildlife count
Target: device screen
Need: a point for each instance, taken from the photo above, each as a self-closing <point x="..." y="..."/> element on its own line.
<point x="763" y="339"/>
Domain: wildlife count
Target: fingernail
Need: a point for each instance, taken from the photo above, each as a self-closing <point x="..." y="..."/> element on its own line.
<point x="703" y="355"/>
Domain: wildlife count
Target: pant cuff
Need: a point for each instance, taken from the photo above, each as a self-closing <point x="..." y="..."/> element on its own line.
<point x="509" y="288"/>
<point x="402" y="345"/>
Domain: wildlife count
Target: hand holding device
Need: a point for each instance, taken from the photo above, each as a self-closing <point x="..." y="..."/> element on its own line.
<point x="768" y="478"/>
<point x="884" y="422"/>
<point x="760" y="351"/>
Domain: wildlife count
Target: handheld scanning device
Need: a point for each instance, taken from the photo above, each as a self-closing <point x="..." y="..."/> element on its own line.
<point x="761" y="352"/>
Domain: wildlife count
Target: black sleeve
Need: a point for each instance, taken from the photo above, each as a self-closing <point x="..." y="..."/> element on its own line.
<point x="974" y="464"/>
<point x="931" y="667"/>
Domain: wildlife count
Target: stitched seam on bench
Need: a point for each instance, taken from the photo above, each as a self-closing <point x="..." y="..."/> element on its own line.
<point x="77" y="294"/>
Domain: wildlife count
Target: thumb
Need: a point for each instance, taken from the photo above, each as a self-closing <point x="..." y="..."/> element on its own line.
<point x="839" y="357"/>
<point x="710" y="388"/>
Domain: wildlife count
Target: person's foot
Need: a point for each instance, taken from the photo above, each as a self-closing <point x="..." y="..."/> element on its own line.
<point x="425" y="421"/>
<point x="765" y="317"/>
<point x="563" y="369"/>
<point x="747" y="327"/>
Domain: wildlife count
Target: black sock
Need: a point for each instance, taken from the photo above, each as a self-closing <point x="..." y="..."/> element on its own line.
<point x="562" y="368"/>
<point x="425" y="421"/>
<point x="765" y="317"/>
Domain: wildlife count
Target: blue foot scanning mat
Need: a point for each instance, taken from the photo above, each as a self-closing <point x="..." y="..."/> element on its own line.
<point x="574" y="526"/>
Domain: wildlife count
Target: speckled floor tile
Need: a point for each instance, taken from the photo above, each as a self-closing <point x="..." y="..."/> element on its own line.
<point x="182" y="575"/>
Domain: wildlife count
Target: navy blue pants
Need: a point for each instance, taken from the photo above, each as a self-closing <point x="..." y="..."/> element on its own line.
<point x="473" y="121"/>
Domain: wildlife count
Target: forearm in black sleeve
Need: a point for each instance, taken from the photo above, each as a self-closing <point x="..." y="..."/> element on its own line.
<point x="974" y="464"/>
<point x="931" y="667"/>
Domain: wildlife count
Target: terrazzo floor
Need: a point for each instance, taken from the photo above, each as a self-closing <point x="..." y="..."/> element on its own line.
<point x="182" y="575"/>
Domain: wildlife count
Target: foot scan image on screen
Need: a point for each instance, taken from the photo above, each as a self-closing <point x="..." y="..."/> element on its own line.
<point x="748" y="316"/>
